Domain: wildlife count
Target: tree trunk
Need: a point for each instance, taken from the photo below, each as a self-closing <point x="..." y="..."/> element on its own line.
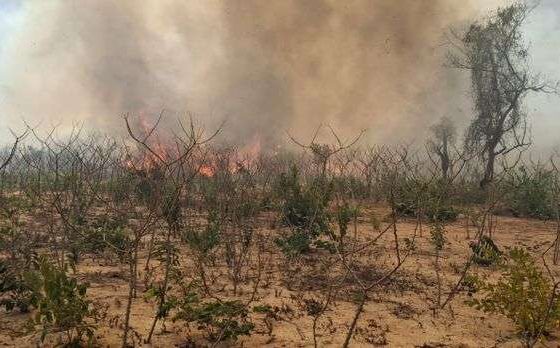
<point x="489" y="169"/>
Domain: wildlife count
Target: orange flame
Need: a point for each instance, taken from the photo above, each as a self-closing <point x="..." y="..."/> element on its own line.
<point x="206" y="170"/>
<point x="149" y="160"/>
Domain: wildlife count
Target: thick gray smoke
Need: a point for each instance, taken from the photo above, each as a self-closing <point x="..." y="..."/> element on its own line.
<point x="263" y="66"/>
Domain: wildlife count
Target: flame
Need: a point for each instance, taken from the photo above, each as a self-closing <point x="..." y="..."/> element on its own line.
<point x="148" y="160"/>
<point x="161" y="151"/>
<point x="206" y="170"/>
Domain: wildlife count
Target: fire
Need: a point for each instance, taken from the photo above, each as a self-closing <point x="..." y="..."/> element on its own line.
<point x="232" y="163"/>
<point x="158" y="153"/>
<point x="162" y="151"/>
<point x="206" y="170"/>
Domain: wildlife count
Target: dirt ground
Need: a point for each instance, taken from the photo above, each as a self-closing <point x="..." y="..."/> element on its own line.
<point x="398" y="314"/>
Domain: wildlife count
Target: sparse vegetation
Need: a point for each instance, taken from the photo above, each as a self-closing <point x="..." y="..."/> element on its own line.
<point x="170" y="238"/>
<point x="525" y="295"/>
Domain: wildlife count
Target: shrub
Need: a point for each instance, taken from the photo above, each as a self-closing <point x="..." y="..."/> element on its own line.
<point x="408" y="208"/>
<point x="485" y="252"/>
<point x="223" y="320"/>
<point x="13" y="240"/>
<point x="304" y="206"/>
<point x="431" y="200"/>
<point x="203" y="241"/>
<point x="296" y="243"/>
<point x="14" y="291"/>
<point x="61" y="304"/>
<point x="433" y="212"/>
<point x="437" y="236"/>
<point x="344" y="215"/>
<point x="524" y="295"/>
<point x="443" y="213"/>
<point x="531" y="194"/>
<point x="304" y="209"/>
<point x="98" y="240"/>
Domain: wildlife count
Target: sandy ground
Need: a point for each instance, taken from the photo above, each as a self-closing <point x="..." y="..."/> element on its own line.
<point x="398" y="314"/>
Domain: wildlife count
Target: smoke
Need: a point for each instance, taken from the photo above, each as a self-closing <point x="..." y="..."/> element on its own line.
<point x="263" y="66"/>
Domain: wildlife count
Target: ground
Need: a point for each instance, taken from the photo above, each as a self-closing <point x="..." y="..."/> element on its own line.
<point x="398" y="314"/>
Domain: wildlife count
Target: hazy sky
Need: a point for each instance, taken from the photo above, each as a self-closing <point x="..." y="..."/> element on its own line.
<point x="542" y="31"/>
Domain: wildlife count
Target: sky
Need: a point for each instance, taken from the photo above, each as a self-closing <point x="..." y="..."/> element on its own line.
<point x="11" y="18"/>
<point x="542" y="30"/>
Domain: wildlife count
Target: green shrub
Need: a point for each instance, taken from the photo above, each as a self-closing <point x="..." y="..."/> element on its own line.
<point x="222" y="320"/>
<point x="61" y="304"/>
<point x="430" y="199"/>
<point x="206" y="240"/>
<point x="432" y="212"/>
<point x="485" y="252"/>
<point x="304" y="209"/>
<point x="14" y="241"/>
<point x="304" y="206"/>
<point x="442" y="213"/>
<point x="407" y="208"/>
<point x="296" y="243"/>
<point x="344" y="215"/>
<point x="531" y="194"/>
<point x="437" y="236"/>
<point x="110" y="238"/>
<point x="14" y="291"/>
<point x="524" y="295"/>
<point x="351" y="186"/>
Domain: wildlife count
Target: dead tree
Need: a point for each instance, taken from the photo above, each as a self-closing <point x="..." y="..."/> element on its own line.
<point x="166" y="169"/>
<point x="441" y="144"/>
<point x="322" y="153"/>
<point x="12" y="152"/>
<point x="493" y="51"/>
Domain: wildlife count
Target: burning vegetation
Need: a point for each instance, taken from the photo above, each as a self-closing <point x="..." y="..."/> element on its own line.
<point x="170" y="236"/>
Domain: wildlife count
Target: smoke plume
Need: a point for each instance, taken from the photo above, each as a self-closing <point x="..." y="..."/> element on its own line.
<point x="264" y="66"/>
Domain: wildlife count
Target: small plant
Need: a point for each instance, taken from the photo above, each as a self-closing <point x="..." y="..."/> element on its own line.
<point x="296" y="243"/>
<point x="13" y="240"/>
<point x="304" y="210"/>
<point x="14" y="292"/>
<point x="524" y="295"/>
<point x="18" y="246"/>
<point x="61" y="304"/>
<point x="485" y="252"/>
<point x="442" y="213"/>
<point x="433" y="213"/>
<point x="437" y="236"/>
<point x="203" y="241"/>
<point x="105" y="240"/>
<point x="407" y="209"/>
<point x="304" y="206"/>
<point x="344" y="215"/>
<point x="222" y="320"/>
<point x="471" y="283"/>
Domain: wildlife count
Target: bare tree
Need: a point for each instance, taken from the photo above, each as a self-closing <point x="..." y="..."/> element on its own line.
<point x="441" y="143"/>
<point x="322" y="153"/>
<point x="12" y="152"/>
<point x="495" y="54"/>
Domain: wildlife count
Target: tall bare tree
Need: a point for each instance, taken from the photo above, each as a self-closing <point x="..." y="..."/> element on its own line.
<point x="495" y="53"/>
<point x="441" y="144"/>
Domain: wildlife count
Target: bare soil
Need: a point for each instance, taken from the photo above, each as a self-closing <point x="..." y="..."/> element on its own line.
<point x="399" y="314"/>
